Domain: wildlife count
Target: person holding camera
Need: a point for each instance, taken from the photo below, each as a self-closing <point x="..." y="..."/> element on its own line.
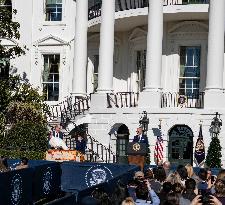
<point x="198" y="201"/>
<point x="145" y="195"/>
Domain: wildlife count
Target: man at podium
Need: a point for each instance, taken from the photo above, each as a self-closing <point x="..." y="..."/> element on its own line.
<point x="140" y="137"/>
<point x="138" y="149"/>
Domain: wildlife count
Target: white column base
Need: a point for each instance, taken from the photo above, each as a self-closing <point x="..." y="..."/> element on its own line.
<point x="214" y="99"/>
<point x="98" y="102"/>
<point x="150" y="99"/>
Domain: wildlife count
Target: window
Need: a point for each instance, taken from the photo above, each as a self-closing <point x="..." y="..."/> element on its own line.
<point x="189" y="79"/>
<point x="53" y="10"/>
<point x="141" y="68"/>
<point x="50" y="77"/>
<point x="4" y="68"/>
<point x="92" y="3"/>
<point x="95" y="75"/>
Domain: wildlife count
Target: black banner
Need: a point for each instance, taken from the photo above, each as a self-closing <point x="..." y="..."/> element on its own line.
<point x="16" y="187"/>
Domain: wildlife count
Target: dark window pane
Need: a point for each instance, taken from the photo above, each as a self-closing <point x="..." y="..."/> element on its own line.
<point x="188" y="83"/>
<point x="182" y="83"/>
<point x="56" y="77"/>
<point x="182" y="92"/>
<point x="196" y="83"/>
<point x="50" y="78"/>
<point x="54" y="68"/>
<point x="189" y="57"/>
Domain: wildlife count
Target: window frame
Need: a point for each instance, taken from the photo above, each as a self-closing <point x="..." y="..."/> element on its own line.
<point x="193" y="88"/>
<point x="141" y="71"/>
<point x="49" y="82"/>
<point x="58" y="23"/>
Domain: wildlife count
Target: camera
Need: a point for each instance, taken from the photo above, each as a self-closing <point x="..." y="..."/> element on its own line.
<point x="205" y="196"/>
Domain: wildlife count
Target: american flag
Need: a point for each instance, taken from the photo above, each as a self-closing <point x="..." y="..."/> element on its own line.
<point x="158" y="153"/>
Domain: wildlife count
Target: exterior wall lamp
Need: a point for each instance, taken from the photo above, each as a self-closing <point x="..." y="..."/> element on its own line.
<point x="216" y="124"/>
<point x="144" y="121"/>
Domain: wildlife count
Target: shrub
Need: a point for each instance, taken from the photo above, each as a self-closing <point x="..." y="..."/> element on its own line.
<point x="17" y="154"/>
<point x="26" y="136"/>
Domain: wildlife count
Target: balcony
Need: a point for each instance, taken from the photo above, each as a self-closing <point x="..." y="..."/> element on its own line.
<point x="175" y="100"/>
<point x="94" y="10"/>
<point x="122" y="100"/>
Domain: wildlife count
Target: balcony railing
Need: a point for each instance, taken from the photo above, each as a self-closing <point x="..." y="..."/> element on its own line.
<point x="122" y="5"/>
<point x="122" y="99"/>
<point x="175" y="100"/>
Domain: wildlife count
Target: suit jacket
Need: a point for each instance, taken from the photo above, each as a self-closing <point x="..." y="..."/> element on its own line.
<point x="81" y="146"/>
<point x="144" y="139"/>
<point x="55" y="134"/>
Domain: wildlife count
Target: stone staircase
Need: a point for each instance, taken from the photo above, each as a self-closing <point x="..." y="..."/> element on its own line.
<point x="68" y="111"/>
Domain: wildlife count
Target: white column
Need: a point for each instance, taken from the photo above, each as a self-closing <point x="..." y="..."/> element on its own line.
<point x="105" y="72"/>
<point x="80" y="48"/>
<point x="151" y="95"/>
<point x="215" y="61"/>
<point x="214" y="97"/>
<point x="154" y="46"/>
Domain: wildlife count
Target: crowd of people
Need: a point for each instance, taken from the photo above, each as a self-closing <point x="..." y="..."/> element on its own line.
<point x="161" y="185"/>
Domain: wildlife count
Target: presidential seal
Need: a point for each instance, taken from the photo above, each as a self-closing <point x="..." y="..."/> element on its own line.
<point x="136" y="147"/>
<point x="16" y="186"/>
<point x="47" y="179"/>
<point x="97" y="175"/>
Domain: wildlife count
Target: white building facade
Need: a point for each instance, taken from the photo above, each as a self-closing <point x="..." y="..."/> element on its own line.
<point x="162" y="57"/>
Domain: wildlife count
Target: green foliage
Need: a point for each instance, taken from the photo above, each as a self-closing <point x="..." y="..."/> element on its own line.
<point x="14" y="89"/>
<point x="22" y="108"/>
<point x="2" y="124"/>
<point x="24" y="111"/>
<point x="26" y="136"/>
<point x="9" y="30"/>
<point x="17" y="154"/>
<point x="213" y="158"/>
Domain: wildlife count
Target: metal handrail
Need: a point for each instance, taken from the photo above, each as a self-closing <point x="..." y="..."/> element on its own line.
<point x="95" y="150"/>
<point x="69" y="108"/>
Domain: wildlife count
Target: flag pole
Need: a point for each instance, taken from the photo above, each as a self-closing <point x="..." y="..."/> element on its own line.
<point x="160" y="125"/>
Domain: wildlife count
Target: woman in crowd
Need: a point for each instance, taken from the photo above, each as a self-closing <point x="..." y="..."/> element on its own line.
<point x="220" y="186"/>
<point x="191" y="173"/>
<point x="128" y="201"/>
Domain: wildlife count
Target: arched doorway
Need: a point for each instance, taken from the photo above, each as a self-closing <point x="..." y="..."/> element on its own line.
<point x="121" y="133"/>
<point x="180" y="147"/>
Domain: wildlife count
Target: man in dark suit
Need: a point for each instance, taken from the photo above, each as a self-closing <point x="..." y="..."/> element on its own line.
<point x="80" y="144"/>
<point x="140" y="137"/>
<point x="57" y="132"/>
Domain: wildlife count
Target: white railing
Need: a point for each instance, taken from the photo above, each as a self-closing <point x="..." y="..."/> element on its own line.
<point x="122" y="99"/>
<point x="173" y="100"/>
<point x="172" y="2"/>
